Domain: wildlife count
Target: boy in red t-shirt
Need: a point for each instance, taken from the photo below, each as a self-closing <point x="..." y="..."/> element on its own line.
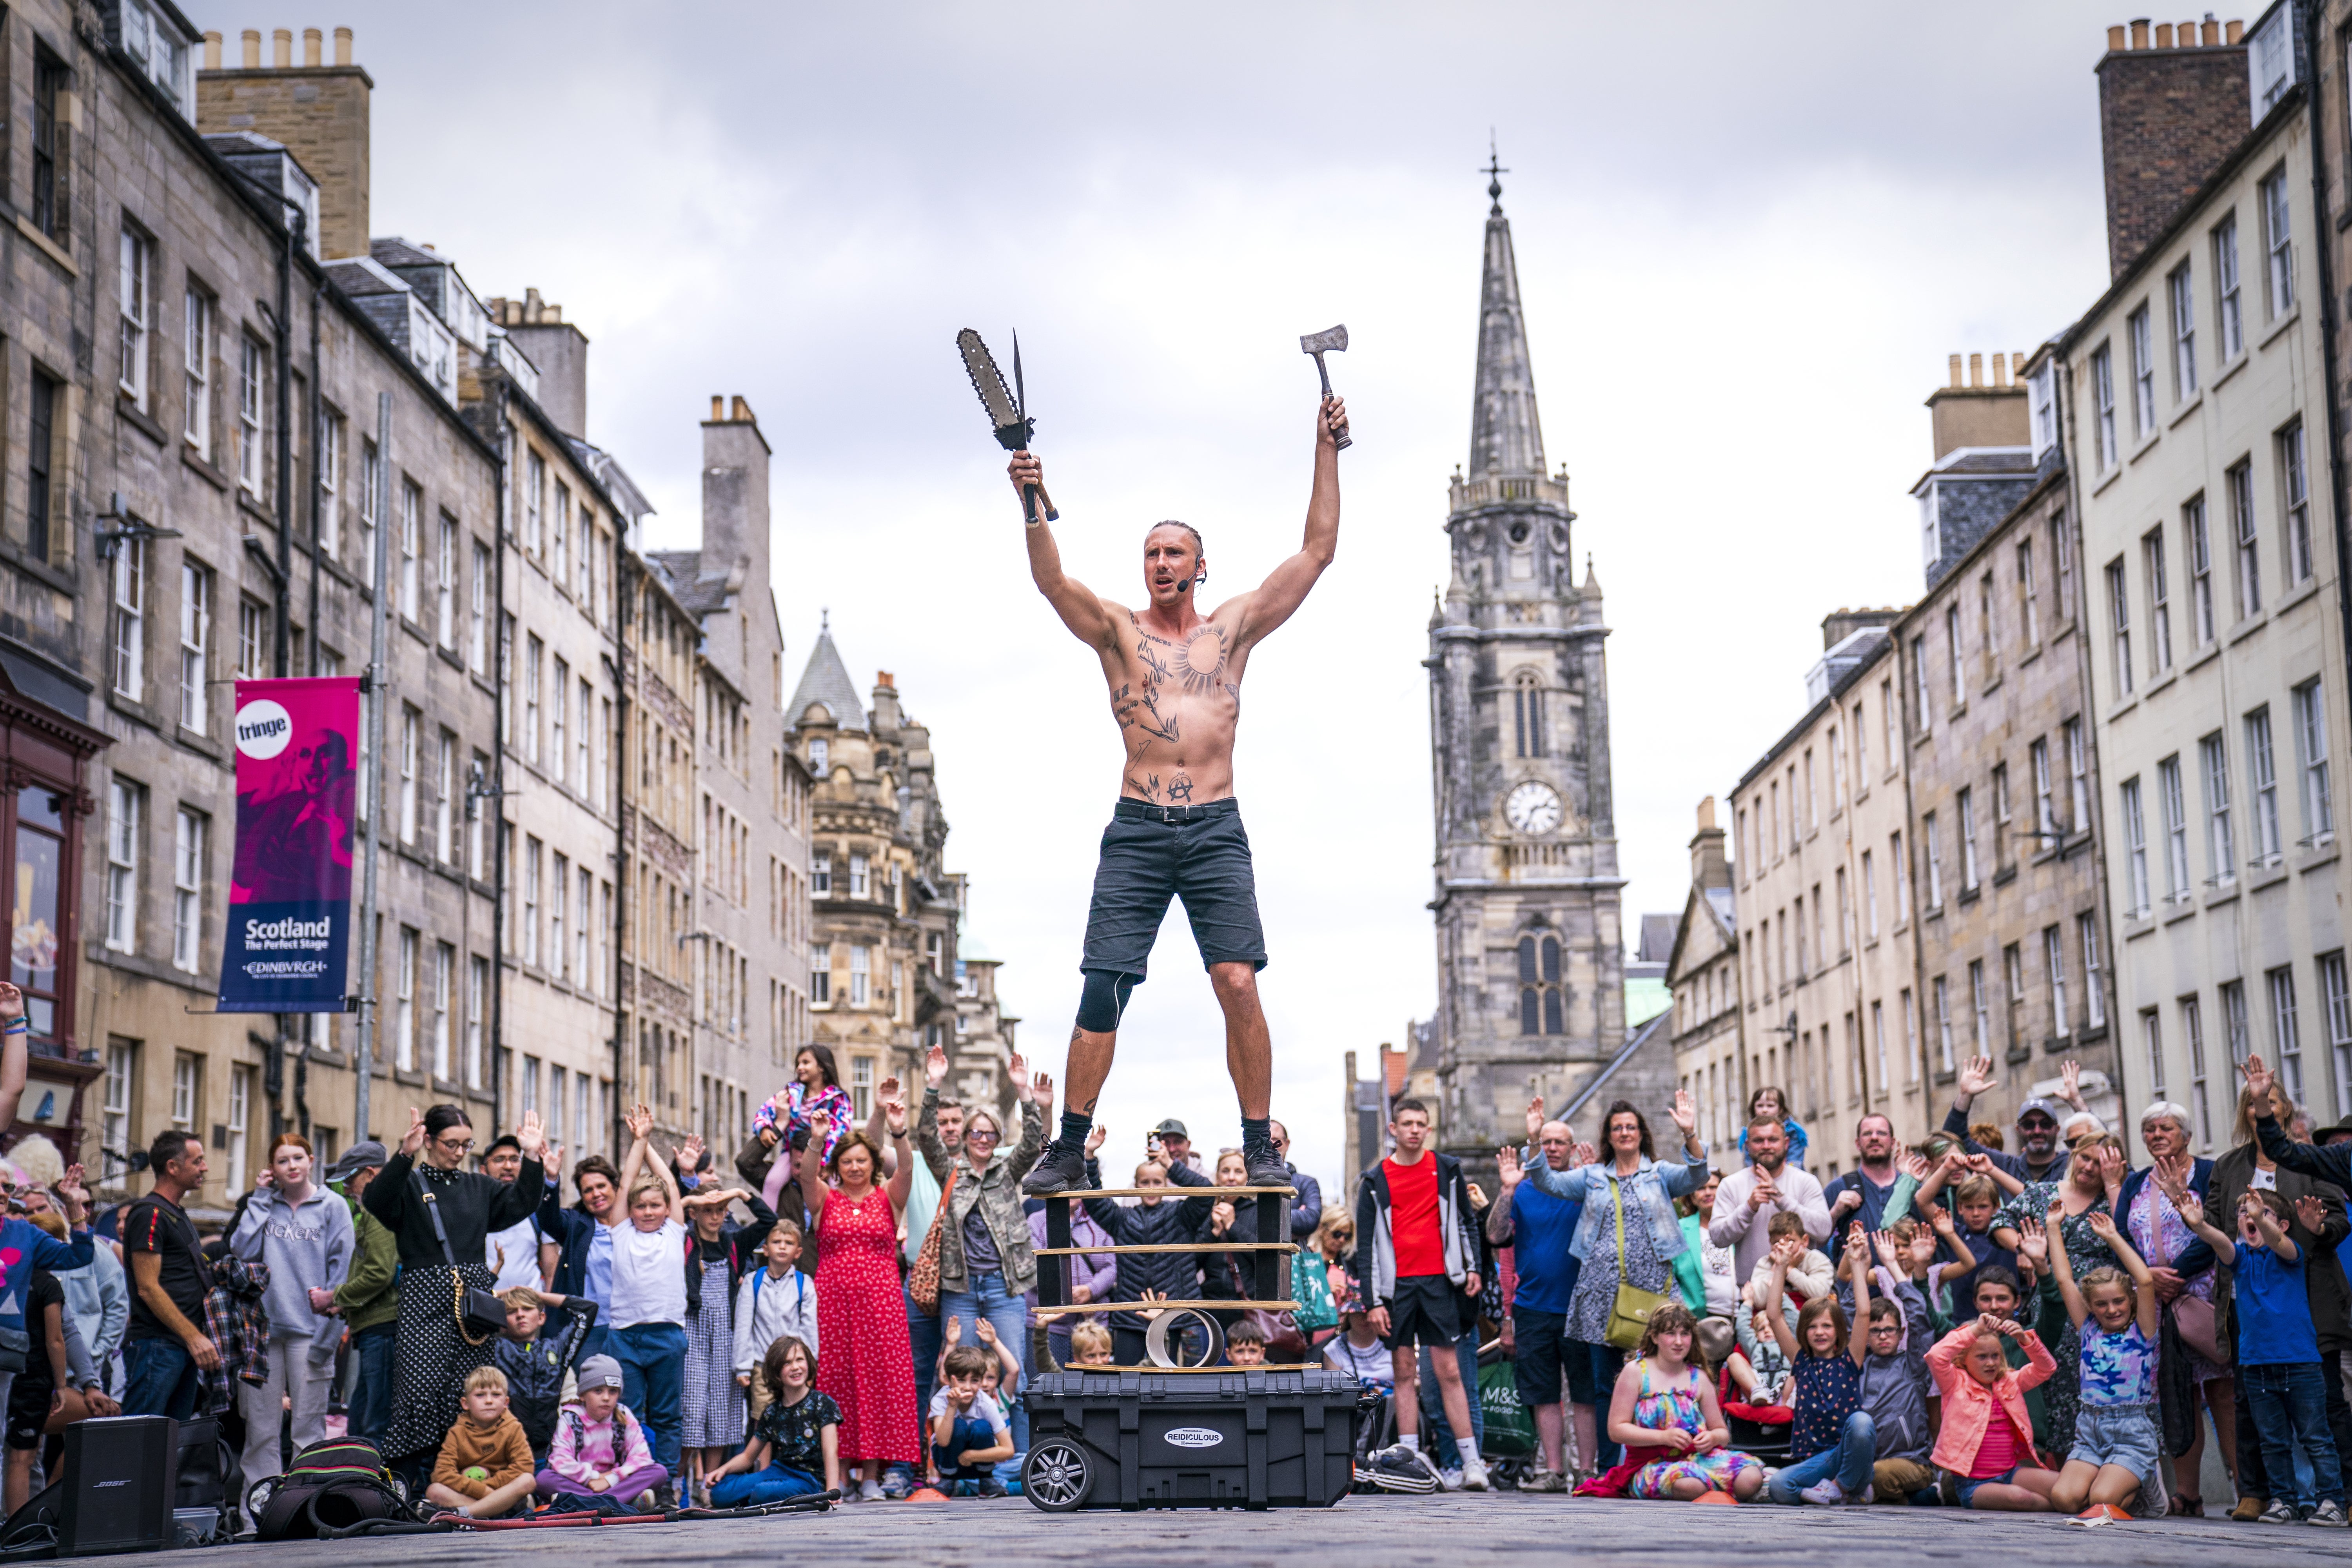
<point x="1418" y="1261"/>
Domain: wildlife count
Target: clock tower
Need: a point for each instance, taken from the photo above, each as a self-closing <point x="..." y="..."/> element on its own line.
<point x="1531" y="964"/>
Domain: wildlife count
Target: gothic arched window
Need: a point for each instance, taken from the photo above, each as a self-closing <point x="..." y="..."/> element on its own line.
<point x="1539" y="995"/>
<point x="1528" y="715"/>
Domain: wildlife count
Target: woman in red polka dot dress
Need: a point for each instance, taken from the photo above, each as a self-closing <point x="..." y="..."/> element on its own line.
<point x="864" y="1362"/>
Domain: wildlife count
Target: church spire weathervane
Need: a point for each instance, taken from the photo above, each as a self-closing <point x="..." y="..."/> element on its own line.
<point x="1494" y="171"/>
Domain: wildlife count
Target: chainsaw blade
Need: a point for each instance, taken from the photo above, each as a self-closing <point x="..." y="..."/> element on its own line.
<point x="1012" y="430"/>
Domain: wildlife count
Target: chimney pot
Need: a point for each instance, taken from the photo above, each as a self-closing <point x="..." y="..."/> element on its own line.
<point x="1706" y="813"/>
<point x="2116" y="38"/>
<point x="882" y="678"/>
<point x="212" y="52"/>
<point x="2187" y="34"/>
<point x="2233" y="32"/>
<point x="281" y="47"/>
<point x="1955" y="363"/>
<point x="743" y="415"/>
<point x="343" y="46"/>
<point x="2213" y="30"/>
<point x="1976" y="370"/>
<point x="311" y="40"/>
<point x="251" y="39"/>
<point x="2139" y="32"/>
<point x="2001" y="370"/>
<point x="718" y="408"/>
<point x="2164" y="35"/>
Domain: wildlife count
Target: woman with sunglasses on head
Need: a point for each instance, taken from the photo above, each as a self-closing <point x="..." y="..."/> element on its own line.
<point x="986" y="1260"/>
<point x="435" y="1351"/>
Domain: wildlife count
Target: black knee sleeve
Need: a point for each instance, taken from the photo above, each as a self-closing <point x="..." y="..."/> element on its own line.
<point x="1103" y="999"/>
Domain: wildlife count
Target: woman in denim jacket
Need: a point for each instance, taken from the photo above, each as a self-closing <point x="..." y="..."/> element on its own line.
<point x="1654" y="1233"/>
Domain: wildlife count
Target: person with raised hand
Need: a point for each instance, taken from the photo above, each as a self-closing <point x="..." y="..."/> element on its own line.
<point x="987" y="1258"/>
<point x="2115" y="1313"/>
<point x="436" y="1355"/>
<point x="868" y="1369"/>
<point x="1832" y="1442"/>
<point x="1986" y="1446"/>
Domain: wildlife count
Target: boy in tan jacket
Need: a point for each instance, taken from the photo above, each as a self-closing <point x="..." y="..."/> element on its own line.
<point x="485" y="1467"/>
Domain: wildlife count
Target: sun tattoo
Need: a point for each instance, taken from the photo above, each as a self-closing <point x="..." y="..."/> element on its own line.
<point x="1200" y="658"/>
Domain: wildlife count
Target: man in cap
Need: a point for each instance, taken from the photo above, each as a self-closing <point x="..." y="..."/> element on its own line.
<point x="1176" y="1146"/>
<point x="368" y="1299"/>
<point x="520" y="1255"/>
<point x="2041" y="1156"/>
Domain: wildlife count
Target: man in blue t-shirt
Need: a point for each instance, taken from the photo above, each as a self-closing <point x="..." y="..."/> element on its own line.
<point x="1539" y="1228"/>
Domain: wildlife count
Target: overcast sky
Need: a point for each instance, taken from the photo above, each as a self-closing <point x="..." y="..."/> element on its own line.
<point x="1748" y="237"/>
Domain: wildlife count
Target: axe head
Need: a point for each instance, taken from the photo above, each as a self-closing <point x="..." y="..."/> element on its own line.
<point x="1332" y="341"/>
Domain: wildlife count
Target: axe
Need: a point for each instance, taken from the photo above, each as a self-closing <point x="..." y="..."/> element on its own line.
<point x="1319" y="344"/>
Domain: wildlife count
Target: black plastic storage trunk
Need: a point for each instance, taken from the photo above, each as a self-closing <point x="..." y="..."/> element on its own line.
<point x="1227" y="1439"/>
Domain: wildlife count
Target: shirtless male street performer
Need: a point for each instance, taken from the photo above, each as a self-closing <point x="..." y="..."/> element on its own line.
<point x="1175" y="679"/>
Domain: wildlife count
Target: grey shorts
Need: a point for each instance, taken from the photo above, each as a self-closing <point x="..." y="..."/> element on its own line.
<point x="1151" y="854"/>
<point x="2121" y="1435"/>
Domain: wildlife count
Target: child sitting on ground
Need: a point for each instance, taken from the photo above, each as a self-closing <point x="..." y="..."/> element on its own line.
<point x="600" y="1447"/>
<point x="1091" y="1345"/>
<point x="968" y="1434"/>
<point x="1245" y="1344"/>
<point x="772" y="1303"/>
<point x="2116" y="1441"/>
<point x="1895" y="1387"/>
<point x="1986" y="1447"/>
<point x="484" y="1470"/>
<point x="1831" y="1444"/>
<point x="2278" y="1354"/>
<point x="795" y="1440"/>
<point x="535" y="1356"/>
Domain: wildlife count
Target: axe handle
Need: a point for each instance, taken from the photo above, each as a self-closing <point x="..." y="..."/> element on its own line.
<point x="1343" y="443"/>
<point x="1033" y="494"/>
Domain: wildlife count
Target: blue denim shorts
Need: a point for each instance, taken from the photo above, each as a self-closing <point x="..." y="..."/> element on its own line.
<point x="2121" y="1435"/>
<point x="1150" y="854"/>
<point x="1965" y="1488"/>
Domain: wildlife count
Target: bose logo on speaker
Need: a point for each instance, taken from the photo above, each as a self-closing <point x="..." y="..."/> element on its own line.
<point x="1195" y="1437"/>
<point x="103" y="1485"/>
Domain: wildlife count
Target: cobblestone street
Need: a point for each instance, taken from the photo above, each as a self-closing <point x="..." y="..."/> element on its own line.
<point x="1439" y="1531"/>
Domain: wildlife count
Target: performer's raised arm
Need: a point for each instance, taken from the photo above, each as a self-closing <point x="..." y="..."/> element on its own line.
<point x="1285" y="588"/>
<point x="1087" y="616"/>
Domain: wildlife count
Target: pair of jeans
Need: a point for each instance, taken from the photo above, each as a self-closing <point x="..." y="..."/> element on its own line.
<point x="1604" y="1362"/>
<point x="1437" y="1432"/>
<point x="653" y="1366"/>
<point x="1851" y="1462"/>
<point x="970" y="1432"/>
<point x="1007" y="1312"/>
<point x="161" y="1379"/>
<point x="371" y="1409"/>
<point x="2289" y="1404"/>
<point x="2253" y="1475"/>
<point x="774" y="1484"/>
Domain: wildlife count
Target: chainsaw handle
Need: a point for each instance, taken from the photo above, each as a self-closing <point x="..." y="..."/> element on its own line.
<point x="1030" y="496"/>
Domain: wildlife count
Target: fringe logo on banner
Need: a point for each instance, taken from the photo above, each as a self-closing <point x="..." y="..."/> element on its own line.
<point x="289" y="908"/>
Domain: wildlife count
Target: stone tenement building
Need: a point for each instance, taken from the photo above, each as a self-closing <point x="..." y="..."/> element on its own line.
<point x="2012" y="944"/>
<point x="1530" y="959"/>
<point x="883" y="962"/>
<point x="1703" y="977"/>
<point x="749" y="913"/>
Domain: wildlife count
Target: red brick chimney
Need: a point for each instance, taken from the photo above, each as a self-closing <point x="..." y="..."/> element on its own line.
<point x="2168" y="117"/>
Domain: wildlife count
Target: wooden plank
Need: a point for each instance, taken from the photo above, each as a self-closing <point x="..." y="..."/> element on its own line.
<point x="1169" y="1192"/>
<point x="1264" y="1367"/>
<point x="1167" y="1247"/>
<point x="1045" y="1311"/>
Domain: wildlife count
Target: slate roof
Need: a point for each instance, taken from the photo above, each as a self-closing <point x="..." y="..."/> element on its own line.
<point x="827" y="681"/>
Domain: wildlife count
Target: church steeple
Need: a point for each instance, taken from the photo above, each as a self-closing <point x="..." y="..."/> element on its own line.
<point x="1506" y="438"/>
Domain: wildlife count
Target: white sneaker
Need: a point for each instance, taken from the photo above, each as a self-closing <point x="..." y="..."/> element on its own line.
<point x="1824" y="1494"/>
<point x="870" y="1490"/>
<point x="1474" y="1476"/>
<point x="1450" y="1479"/>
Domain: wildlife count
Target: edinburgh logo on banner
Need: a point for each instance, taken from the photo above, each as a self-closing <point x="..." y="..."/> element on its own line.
<point x="290" y="897"/>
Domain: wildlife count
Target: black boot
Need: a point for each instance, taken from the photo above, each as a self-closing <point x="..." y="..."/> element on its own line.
<point x="1061" y="1170"/>
<point x="1264" y="1166"/>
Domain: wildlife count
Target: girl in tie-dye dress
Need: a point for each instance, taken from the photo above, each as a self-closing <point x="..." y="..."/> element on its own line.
<point x="1661" y="1392"/>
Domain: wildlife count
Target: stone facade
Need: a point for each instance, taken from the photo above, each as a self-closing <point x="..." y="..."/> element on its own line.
<point x="984" y="1037"/>
<point x="2012" y="946"/>
<point x="317" y="111"/>
<point x="748" y="919"/>
<point x="2208" y="497"/>
<point x="1529" y="950"/>
<point x="2166" y="109"/>
<point x="1702" y="974"/>
<point x="142" y="292"/>
<point x="887" y="911"/>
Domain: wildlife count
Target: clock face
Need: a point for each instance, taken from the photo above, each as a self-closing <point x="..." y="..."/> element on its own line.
<point x="1533" y="807"/>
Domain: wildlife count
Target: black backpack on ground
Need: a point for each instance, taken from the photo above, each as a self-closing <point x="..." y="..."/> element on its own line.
<point x="333" y="1484"/>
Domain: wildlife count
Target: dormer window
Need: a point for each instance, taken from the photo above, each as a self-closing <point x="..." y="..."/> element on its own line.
<point x="819" y="756"/>
<point x="158" y="48"/>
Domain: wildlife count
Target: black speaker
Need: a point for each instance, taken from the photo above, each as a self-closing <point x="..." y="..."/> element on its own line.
<point x="121" y="1472"/>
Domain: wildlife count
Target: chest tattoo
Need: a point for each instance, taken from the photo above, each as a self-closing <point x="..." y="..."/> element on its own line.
<point x="1201" y="658"/>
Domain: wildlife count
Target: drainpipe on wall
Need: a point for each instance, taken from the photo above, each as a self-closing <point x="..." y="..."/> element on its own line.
<point x="623" y="591"/>
<point x="498" y="802"/>
<point x="2307" y="20"/>
<point x="363" y="1052"/>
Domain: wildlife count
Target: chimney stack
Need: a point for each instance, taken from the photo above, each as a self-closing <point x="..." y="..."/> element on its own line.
<point x="735" y="496"/>
<point x="560" y="351"/>
<point x="1710" y="866"/>
<point x="2168" y="117"/>
<point x="1977" y="415"/>
<point x="319" y="111"/>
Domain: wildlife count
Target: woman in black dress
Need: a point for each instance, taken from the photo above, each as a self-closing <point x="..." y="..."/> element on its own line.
<point x="434" y="1351"/>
